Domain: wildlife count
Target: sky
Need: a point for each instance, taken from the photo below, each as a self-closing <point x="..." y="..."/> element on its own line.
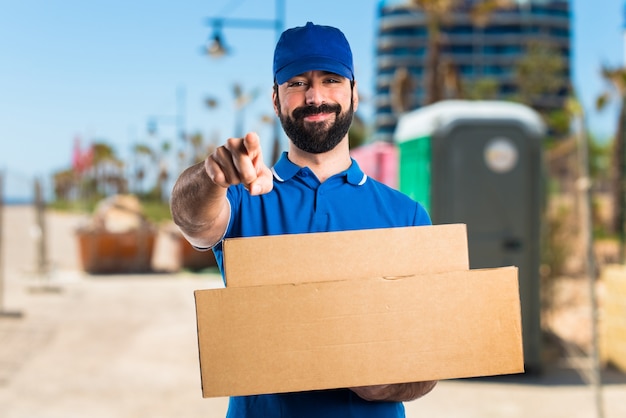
<point x="99" y="71"/>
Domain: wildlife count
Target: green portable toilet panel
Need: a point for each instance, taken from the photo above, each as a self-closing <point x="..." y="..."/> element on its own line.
<point x="414" y="177"/>
<point x="479" y="163"/>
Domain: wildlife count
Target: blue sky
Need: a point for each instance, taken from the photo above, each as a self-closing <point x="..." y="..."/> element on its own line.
<point x="99" y="70"/>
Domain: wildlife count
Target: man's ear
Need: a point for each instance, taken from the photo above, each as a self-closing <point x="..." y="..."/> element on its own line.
<point x="355" y="95"/>
<point x="275" y="99"/>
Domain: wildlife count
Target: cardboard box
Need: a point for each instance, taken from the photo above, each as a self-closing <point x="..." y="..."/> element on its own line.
<point x="301" y="333"/>
<point x="328" y="256"/>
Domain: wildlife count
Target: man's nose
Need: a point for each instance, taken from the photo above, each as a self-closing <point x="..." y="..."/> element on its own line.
<point x="314" y="95"/>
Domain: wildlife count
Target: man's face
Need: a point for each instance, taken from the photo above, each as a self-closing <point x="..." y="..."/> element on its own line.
<point x="315" y="110"/>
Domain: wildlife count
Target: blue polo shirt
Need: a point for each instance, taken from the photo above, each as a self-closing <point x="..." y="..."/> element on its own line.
<point x="299" y="203"/>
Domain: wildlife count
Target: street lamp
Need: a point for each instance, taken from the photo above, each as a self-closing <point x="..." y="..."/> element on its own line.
<point x="216" y="47"/>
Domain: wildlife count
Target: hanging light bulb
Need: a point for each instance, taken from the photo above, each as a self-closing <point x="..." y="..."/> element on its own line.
<point x="215" y="47"/>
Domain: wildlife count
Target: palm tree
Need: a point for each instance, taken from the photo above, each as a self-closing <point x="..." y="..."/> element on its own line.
<point x="64" y="184"/>
<point x="143" y="157"/>
<point x="107" y="173"/>
<point x="439" y="74"/>
<point x="160" y="190"/>
<point x="242" y="100"/>
<point x="436" y="12"/>
<point x="198" y="147"/>
<point x="539" y="73"/>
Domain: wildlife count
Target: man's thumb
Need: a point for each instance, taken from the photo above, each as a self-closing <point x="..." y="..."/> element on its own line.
<point x="264" y="182"/>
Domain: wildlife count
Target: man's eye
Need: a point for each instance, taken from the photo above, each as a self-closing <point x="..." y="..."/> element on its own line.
<point x="296" y="84"/>
<point x="333" y="80"/>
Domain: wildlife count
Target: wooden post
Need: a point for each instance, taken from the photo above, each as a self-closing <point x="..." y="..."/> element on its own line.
<point x="40" y="209"/>
<point x="3" y="312"/>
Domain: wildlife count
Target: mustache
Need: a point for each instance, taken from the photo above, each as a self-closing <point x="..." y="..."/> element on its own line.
<point x="305" y="111"/>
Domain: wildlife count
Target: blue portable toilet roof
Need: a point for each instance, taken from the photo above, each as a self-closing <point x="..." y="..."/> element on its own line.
<point x="428" y="119"/>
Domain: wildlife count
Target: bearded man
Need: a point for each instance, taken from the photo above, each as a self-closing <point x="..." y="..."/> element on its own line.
<point x="315" y="187"/>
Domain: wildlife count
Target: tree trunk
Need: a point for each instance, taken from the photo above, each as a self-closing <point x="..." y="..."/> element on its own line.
<point x="434" y="85"/>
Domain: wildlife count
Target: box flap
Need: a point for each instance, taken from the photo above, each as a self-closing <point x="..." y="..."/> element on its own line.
<point x="325" y="256"/>
<point x="283" y="338"/>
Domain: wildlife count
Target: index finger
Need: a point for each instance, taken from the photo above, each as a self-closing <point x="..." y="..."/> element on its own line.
<point x="252" y="143"/>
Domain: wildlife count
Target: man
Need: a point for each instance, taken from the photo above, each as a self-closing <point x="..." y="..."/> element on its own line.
<point x="314" y="187"/>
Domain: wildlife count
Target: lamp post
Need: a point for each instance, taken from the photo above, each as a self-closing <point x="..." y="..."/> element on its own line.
<point x="216" y="46"/>
<point x="178" y="120"/>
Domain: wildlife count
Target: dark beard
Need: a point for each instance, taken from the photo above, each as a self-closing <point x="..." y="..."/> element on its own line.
<point x="316" y="138"/>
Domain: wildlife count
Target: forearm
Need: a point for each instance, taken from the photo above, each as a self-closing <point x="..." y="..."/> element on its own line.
<point x="198" y="206"/>
<point x="401" y="392"/>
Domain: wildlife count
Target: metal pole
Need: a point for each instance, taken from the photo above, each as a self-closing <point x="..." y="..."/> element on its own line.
<point x="584" y="188"/>
<point x="3" y="313"/>
<point x="278" y="24"/>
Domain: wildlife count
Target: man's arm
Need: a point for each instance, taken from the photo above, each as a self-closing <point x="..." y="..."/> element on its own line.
<point x="199" y="207"/>
<point x="198" y="203"/>
<point x="401" y="392"/>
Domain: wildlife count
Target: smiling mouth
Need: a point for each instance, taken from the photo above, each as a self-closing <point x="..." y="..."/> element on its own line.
<point x="316" y="113"/>
<point x="317" y="117"/>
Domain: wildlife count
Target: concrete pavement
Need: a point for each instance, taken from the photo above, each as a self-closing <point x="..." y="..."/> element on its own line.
<point x="109" y="346"/>
<point x="125" y="346"/>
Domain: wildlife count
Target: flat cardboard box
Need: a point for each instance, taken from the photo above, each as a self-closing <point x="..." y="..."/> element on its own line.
<point x="327" y="256"/>
<point x="303" y="334"/>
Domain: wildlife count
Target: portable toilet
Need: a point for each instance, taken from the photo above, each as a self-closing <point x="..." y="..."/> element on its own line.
<point x="379" y="160"/>
<point x="480" y="163"/>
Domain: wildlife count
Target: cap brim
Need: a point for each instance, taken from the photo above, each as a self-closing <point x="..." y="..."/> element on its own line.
<point x="311" y="64"/>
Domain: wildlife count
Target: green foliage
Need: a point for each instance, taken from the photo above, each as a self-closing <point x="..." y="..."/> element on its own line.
<point x="556" y="239"/>
<point x="358" y="132"/>
<point x="72" y="206"/>
<point x="558" y="122"/>
<point x="482" y="89"/>
<point x="539" y="72"/>
<point x="600" y="153"/>
<point x="156" y="211"/>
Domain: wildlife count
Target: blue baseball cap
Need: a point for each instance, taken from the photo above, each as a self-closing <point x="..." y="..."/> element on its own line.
<point x="312" y="47"/>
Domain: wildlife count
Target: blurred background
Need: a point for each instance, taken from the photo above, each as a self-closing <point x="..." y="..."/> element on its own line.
<point x="506" y="115"/>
